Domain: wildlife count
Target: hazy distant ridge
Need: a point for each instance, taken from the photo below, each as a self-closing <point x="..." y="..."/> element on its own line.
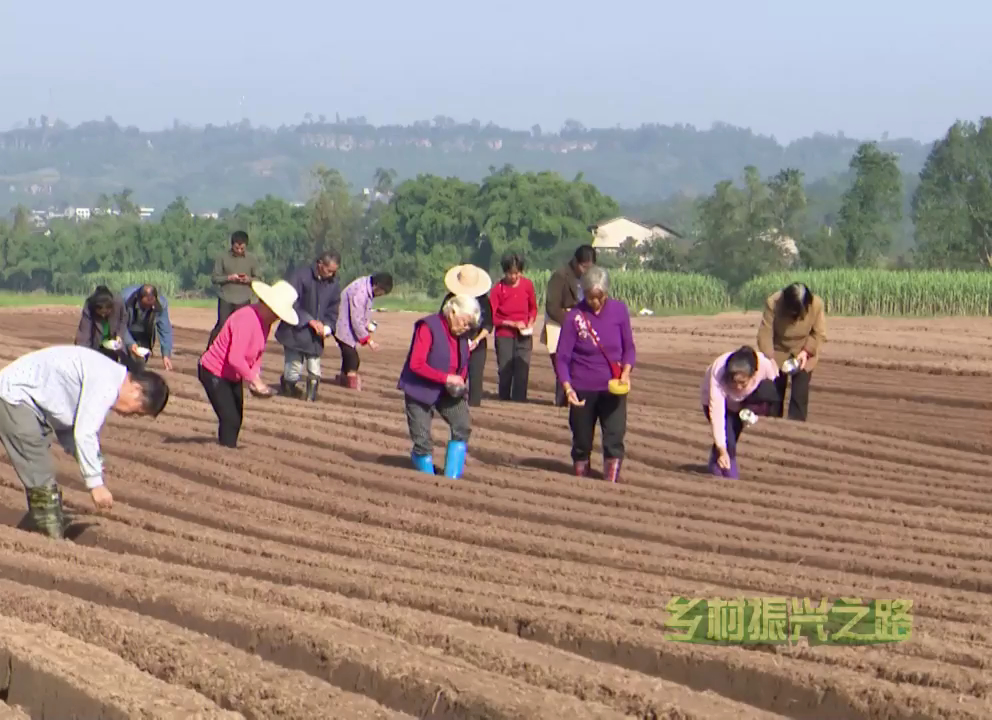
<point x="49" y="162"/>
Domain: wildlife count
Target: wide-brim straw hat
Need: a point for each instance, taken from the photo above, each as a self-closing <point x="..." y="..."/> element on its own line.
<point x="279" y="298"/>
<point x="468" y="280"/>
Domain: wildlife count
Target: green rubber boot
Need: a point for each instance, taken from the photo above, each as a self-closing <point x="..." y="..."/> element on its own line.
<point x="45" y="511"/>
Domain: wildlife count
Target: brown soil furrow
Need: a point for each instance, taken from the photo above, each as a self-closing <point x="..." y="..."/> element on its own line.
<point x="230" y="677"/>
<point x="54" y="675"/>
<point x="13" y="712"/>
<point x="812" y="480"/>
<point x="782" y="500"/>
<point x="481" y="610"/>
<point x="460" y="504"/>
<point x="632" y="502"/>
<point x="899" y="479"/>
<point x="357" y="539"/>
<point x="488" y="600"/>
<point x="557" y="584"/>
<point x="628" y="692"/>
<point x="314" y="564"/>
<point x="393" y="673"/>
<point x="280" y="631"/>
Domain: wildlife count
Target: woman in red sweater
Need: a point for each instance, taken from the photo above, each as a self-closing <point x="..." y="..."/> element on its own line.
<point x="514" y="316"/>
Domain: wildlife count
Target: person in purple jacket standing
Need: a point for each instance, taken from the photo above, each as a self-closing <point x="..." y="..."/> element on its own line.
<point x="594" y="358"/>
<point x="353" y="326"/>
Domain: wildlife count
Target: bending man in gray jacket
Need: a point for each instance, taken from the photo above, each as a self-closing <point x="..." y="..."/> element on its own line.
<point x="67" y="391"/>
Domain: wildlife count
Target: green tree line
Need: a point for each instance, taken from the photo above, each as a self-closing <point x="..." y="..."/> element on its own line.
<point x="757" y="226"/>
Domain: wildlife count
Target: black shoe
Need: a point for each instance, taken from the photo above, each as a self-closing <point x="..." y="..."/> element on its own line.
<point x="289" y="389"/>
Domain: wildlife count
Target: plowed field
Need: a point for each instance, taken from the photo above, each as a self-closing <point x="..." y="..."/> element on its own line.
<point x="313" y="574"/>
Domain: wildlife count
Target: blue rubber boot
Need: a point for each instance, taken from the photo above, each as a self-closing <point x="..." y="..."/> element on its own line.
<point x="454" y="461"/>
<point x="423" y="463"/>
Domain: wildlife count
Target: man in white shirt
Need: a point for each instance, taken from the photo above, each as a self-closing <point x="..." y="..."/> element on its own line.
<point x="67" y="391"/>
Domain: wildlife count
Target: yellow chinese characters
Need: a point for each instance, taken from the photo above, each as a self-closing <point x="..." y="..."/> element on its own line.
<point x="777" y="620"/>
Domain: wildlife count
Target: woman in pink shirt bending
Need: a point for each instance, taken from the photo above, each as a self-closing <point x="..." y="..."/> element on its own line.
<point x="235" y="355"/>
<point x="735" y="382"/>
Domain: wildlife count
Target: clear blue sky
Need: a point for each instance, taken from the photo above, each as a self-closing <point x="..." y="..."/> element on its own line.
<point x="787" y="68"/>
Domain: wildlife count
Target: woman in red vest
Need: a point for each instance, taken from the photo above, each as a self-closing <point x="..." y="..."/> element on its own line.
<point x="433" y="379"/>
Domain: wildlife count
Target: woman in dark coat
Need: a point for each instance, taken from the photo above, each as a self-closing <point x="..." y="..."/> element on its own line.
<point x="474" y="282"/>
<point x="102" y="324"/>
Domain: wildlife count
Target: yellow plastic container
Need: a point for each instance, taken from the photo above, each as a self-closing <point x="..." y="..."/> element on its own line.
<point x="617" y="387"/>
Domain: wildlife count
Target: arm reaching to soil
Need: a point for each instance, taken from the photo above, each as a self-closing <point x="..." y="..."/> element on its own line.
<point x="718" y="409"/>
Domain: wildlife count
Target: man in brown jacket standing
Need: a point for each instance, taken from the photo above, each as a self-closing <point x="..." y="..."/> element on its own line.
<point x="793" y="325"/>
<point x="563" y="294"/>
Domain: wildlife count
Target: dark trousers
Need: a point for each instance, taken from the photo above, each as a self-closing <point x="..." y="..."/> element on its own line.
<point x="513" y="363"/>
<point x="799" y="401"/>
<point x="453" y="411"/>
<point x="350" y="361"/>
<point x="141" y="338"/>
<point x="228" y="401"/>
<point x="476" y="373"/>
<point x="607" y="410"/>
<point x="224" y="310"/>
<point x="734" y="425"/>
<point x="560" y="400"/>
<point x="763" y="401"/>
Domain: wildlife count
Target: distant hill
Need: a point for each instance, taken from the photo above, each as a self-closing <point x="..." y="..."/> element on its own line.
<point x="50" y="163"/>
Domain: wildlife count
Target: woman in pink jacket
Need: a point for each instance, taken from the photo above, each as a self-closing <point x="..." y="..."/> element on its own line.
<point x="737" y="386"/>
<point x="235" y="355"/>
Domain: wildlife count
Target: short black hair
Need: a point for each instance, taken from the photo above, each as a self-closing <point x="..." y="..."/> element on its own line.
<point x="239" y="237"/>
<point x="154" y="390"/>
<point x="585" y="254"/>
<point x="328" y="256"/>
<point x="383" y="281"/>
<point x="742" y="361"/>
<point x="796" y="300"/>
<point x="512" y="261"/>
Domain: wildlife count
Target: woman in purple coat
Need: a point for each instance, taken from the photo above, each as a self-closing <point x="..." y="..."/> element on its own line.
<point x="354" y="323"/>
<point x="594" y="358"/>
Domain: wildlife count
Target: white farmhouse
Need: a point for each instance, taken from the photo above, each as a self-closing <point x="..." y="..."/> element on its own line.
<point x="611" y="234"/>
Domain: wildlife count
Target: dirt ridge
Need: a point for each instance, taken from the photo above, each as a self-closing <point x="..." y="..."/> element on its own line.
<point x="314" y="569"/>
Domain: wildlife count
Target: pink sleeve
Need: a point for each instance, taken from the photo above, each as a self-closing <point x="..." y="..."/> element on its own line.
<point x="241" y="354"/>
<point x="717" y="408"/>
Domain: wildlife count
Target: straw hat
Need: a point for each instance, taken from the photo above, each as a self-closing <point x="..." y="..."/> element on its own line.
<point x="279" y="298"/>
<point x="467" y="280"/>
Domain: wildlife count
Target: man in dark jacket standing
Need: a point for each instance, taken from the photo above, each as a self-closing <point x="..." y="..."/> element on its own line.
<point x="233" y="273"/>
<point x="317" y="304"/>
<point x="564" y="294"/>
